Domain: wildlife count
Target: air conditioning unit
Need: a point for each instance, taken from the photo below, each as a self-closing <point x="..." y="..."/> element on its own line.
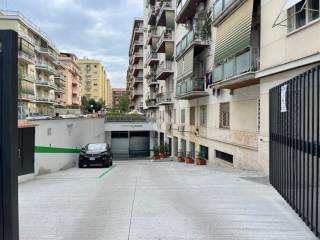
<point x="181" y="128"/>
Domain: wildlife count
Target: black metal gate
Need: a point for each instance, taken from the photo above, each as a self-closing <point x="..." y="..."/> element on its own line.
<point x="294" y="144"/>
<point x="26" y="138"/>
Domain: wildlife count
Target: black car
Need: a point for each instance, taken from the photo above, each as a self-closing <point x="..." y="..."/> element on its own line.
<point x="95" y="154"/>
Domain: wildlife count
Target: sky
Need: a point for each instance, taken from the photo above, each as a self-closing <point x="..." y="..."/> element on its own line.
<point x="99" y="29"/>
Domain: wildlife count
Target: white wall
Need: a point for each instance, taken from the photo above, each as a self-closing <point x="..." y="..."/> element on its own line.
<point x="67" y="133"/>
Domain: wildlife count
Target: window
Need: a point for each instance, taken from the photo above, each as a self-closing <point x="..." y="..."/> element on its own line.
<point x="204" y="152"/>
<point x="225" y="115"/>
<point x="203" y="115"/>
<point x="183" y="116"/>
<point x="303" y="13"/>
<point x="192" y="149"/>
<point x="192" y="116"/>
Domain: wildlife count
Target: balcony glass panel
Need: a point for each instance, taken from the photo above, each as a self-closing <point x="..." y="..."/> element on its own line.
<point x="229" y="68"/>
<point x="243" y="63"/>
<point x="217" y="9"/>
<point x="218" y="73"/>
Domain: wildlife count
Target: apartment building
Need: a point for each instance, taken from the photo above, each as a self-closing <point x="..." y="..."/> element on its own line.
<point x="135" y="69"/>
<point x="200" y="85"/>
<point x="117" y="93"/>
<point x="289" y="47"/>
<point x="95" y="84"/>
<point x="159" y="65"/>
<point x="40" y="87"/>
<point x="72" y="79"/>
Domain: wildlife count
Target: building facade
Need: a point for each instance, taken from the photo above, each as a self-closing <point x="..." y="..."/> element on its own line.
<point x="71" y="76"/>
<point x="95" y="84"/>
<point x="117" y="93"/>
<point x="40" y="88"/>
<point x="208" y="69"/>
<point x="135" y="69"/>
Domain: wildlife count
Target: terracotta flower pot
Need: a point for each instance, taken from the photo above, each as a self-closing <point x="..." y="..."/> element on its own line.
<point x="156" y="157"/>
<point x="180" y="159"/>
<point x="200" y="161"/>
<point x="162" y="155"/>
<point x="189" y="160"/>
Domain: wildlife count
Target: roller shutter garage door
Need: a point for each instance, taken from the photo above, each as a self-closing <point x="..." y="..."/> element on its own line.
<point x="120" y="144"/>
<point x="139" y="144"/>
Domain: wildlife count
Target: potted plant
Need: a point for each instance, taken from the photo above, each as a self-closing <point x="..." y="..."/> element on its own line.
<point x="200" y="160"/>
<point x="181" y="156"/>
<point x="189" y="158"/>
<point x="156" y="155"/>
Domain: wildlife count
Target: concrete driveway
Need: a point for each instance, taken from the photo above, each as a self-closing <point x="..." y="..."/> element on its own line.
<point x="144" y="200"/>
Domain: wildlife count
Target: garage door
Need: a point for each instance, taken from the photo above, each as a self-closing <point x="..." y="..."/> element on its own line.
<point x="120" y="144"/>
<point x="139" y="144"/>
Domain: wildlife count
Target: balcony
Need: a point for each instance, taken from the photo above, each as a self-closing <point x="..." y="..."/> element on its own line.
<point x="59" y="90"/>
<point x="43" y="66"/>
<point x="43" y="99"/>
<point x="166" y="43"/>
<point x="186" y="9"/>
<point x="60" y="77"/>
<point x="136" y="57"/>
<point x="59" y="103"/>
<point x="164" y="99"/>
<point x="137" y="45"/>
<point x="152" y="81"/>
<point x="196" y="39"/>
<point x="151" y="103"/>
<point x="166" y="15"/>
<point x="152" y="59"/>
<point x="137" y="32"/>
<point x="136" y="93"/>
<point x="137" y="68"/>
<point x="224" y="8"/>
<point x="191" y="88"/>
<point x="151" y="2"/>
<point x="151" y="20"/>
<point x="164" y="70"/>
<point x="137" y="80"/>
<point x="45" y="84"/>
<point x="26" y="94"/>
<point x="153" y="36"/>
<point x="238" y="71"/>
<point x="26" y="56"/>
<point x="27" y="77"/>
<point x="47" y="52"/>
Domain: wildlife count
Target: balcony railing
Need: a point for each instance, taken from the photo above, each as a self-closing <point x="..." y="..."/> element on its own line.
<point x="45" y="83"/>
<point x="191" y="88"/>
<point x="164" y="98"/>
<point x="113" y="117"/>
<point x="44" y="99"/>
<point x="245" y="62"/>
<point x="152" y="58"/>
<point x="152" y="81"/>
<point x="27" y="77"/>
<point x="166" y="35"/>
<point x="193" y="37"/>
<point x="26" y="56"/>
<point x="164" y="70"/>
<point x="151" y="34"/>
<point x="186" y="9"/>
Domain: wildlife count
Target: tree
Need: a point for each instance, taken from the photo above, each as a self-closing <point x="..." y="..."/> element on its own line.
<point x="124" y="104"/>
<point x="84" y="103"/>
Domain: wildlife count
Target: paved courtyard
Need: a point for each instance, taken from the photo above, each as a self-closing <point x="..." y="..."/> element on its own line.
<point x="155" y="201"/>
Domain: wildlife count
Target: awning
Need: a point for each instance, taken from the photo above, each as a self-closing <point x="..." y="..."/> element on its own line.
<point x="290" y="3"/>
<point x="234" y="34"/>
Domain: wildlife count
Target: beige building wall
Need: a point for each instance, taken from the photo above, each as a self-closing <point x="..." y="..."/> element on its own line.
<point x="39" y="85"/>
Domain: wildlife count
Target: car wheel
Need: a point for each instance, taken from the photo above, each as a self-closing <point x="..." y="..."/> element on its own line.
<point x="111" y="163"/>
<point x="106" y="165"/>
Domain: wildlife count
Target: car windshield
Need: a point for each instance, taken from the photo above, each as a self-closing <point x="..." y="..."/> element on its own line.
<point x="97" y="147"/>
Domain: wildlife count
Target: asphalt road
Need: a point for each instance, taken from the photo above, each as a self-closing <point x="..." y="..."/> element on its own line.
<point x="151" y="201"/>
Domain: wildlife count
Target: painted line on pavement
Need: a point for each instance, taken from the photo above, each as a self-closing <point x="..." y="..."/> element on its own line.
<point x="105" y="172"/>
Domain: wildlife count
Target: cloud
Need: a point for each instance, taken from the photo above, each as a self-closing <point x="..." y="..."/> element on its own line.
<point x="96" y="29"/>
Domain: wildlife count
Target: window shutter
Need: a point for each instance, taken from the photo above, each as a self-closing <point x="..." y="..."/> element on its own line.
<point x="234" y="34"/>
